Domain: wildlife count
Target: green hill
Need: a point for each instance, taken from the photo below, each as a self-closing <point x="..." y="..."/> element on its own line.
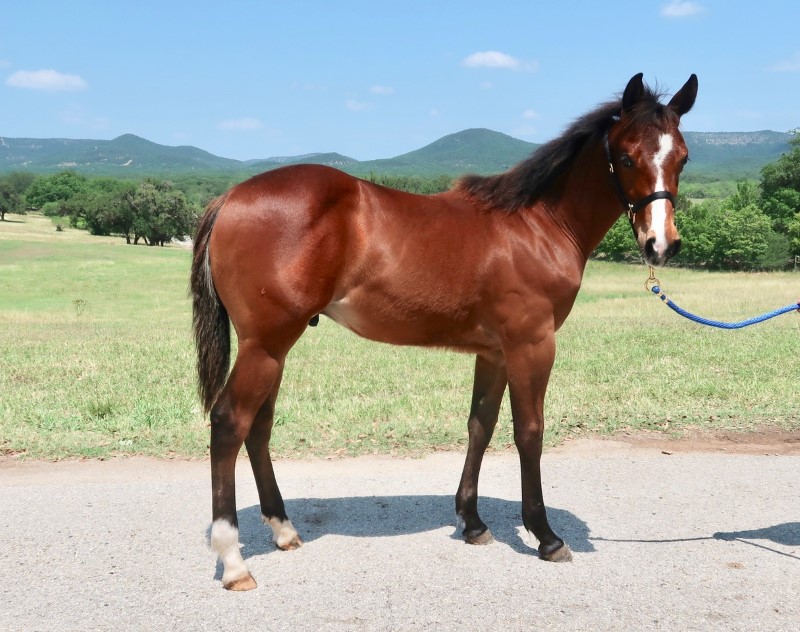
<point x="331" y="159"/>
<point x="122" y="156"/>
<point x="470" y="151"/>
<point x="733" y="155"/>
<point x="714" y="156"/>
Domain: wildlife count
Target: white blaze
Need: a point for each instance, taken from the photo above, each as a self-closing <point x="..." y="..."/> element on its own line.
<point x="658" y="208"/>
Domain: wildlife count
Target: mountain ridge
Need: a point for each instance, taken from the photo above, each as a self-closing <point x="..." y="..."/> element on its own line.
<point x="476" y="150"/>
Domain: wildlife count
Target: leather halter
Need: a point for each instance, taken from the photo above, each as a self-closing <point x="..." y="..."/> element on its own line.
<point x="632" y="207"/>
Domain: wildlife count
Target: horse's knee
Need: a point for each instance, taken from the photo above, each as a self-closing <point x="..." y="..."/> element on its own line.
<point x="528" y="441"/>
<point x="226" y="426"/>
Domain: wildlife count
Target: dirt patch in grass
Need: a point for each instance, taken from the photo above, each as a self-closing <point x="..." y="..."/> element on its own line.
<point x="763" y="440"/>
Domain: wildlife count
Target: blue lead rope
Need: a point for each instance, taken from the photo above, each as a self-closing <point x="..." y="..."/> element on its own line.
<point x="655" y="289"/>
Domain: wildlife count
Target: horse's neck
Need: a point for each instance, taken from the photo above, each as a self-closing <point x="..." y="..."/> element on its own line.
<point x="588" y="206"/>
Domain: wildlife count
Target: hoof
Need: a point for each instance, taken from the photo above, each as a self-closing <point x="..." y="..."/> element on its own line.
<point x="243" y="583"/>
<point x="291" y="544"/>
<point x="284" y="534"/>
<point x="561" y="554"/>
<point x="484" y="537"/>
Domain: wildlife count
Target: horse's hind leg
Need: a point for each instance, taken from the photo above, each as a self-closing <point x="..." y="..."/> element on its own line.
<point x="273" y="511"/>
<point x="252" y="379"/>
<point x="487" y="395"/>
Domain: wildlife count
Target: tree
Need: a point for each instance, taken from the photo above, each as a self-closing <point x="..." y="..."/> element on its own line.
<point x="20" y="180"/>
<point x="103" y="209"/>
<point x="160" y="212"/>
<point x="413" y="184"/>
<point x="12" y="188"/>
<point x="780" y="192"/>
<point x="783" y="173"/>
<point x="723" y="235"/>
<point x="746" y="194"/>
<point x="781" y="207"/>
<point x="697" y="238"/>
<point x="619" y="244"/>
<point x="741" y="237"/>
<point x="10" y="200"/>
<point x="57" y="189"/>
<point x="794" y="234"/>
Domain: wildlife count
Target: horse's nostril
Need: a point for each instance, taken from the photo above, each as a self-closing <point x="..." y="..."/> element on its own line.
<point x="674" y="248"/>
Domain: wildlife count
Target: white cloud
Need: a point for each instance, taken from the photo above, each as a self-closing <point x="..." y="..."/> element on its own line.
<point x="433" y="112"/>
<point x="381" y="90"/>
<point x="681" y="9"/>
<point x="486" y="85"/>
<point x="356" y="106"/>
<point x="496" y="59"/>
<point x="246" y="124"/>
<point x="48" y="80"/>
<point x="530" y="114"/>
<point x="790" y="64"/>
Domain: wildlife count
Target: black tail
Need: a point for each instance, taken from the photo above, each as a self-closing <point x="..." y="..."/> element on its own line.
<point x="212" y="334"/>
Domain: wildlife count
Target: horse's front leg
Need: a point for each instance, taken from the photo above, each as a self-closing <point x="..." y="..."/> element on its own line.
<point x="487" y="395"/>
<point x="528" y="366"/>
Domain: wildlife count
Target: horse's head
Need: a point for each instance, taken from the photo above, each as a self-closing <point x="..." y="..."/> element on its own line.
<point x="646" y="153"/>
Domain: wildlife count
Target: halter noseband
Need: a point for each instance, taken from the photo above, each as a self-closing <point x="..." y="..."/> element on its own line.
<point x="632" y="207"/>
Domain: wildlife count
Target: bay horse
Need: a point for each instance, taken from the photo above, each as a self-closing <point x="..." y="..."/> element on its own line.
<point x="491" y="267"/>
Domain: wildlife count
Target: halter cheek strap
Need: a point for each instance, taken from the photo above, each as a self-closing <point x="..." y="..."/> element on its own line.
<point x="632" y="207"/>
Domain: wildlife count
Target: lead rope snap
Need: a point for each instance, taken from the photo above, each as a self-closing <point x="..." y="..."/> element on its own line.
<point x="652" y="281"/>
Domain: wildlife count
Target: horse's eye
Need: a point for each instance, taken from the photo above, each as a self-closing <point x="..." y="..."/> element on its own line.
<point x="626" y="161"/>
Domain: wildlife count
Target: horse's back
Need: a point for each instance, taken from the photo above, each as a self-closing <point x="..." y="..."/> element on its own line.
<point x="390" y="265"/>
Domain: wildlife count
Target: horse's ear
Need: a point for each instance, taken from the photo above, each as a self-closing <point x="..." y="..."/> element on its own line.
<point x="633" y="92"/>
<point x="684" y="98"/>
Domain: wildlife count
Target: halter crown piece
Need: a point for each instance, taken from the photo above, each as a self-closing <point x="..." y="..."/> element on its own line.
<point x="632" y="207"/>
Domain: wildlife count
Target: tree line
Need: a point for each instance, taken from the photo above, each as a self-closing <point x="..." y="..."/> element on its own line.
<point x="153" y="211"/>
<point x="755" y="228"/>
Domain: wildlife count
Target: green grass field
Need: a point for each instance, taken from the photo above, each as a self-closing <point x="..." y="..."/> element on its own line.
<point x="96" y="359"/>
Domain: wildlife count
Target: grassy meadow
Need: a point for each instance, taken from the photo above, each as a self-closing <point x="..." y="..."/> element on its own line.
<point x="96" y="359"/>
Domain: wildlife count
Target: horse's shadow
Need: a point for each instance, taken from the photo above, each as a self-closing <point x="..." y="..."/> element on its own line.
<point x="787" y="534"/>
<point x="385" y="516"/>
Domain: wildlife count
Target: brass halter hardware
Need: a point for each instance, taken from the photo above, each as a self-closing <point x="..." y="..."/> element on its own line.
<point x="652" y="281"/>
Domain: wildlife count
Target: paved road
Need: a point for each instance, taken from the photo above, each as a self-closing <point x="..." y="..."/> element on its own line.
<point x="683" y="541"/>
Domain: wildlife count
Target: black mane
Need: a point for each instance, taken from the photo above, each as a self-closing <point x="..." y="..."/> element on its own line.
<point x="531" y="179"/>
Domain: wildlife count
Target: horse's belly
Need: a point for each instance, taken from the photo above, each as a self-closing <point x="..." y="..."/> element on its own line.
<point x="418" y="329"/>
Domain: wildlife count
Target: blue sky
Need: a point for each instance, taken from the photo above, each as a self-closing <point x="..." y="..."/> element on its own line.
<point x="376" y="79"/>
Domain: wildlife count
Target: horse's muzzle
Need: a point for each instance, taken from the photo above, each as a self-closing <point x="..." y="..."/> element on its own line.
<point x="656" y="258"/>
